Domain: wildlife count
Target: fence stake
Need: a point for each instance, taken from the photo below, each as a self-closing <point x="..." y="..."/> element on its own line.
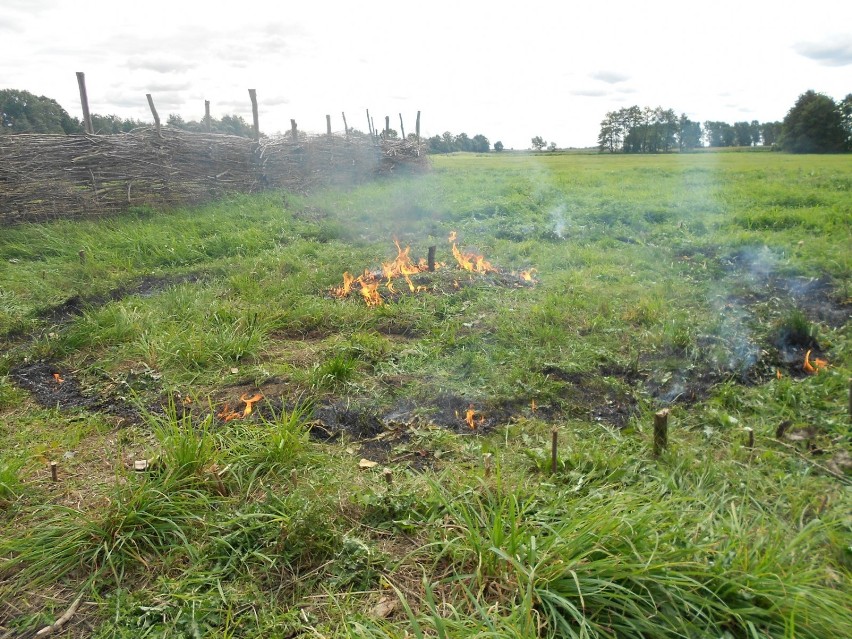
<point x="387" y="126"/>
<point x="554" y="449"/>
<point x="750" y="437"/>
<point x="401" y="126"/>
<point x="345" y="126"/>
<point x="431" y="259"/>
<point x="254" y="114"/>
<point x="53" y="471"/>
<point x="369" y="124"/>
<point x="207" y="126"/>
<point x="154" y="112"/>
<point x="294" y="131"/>
<point x="661" y="431"/>
<point x="418" y="126"/>
<point x="84" y="100"/>
<point x="328" y="124"/>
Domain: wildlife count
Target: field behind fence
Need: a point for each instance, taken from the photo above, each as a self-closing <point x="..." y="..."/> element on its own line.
<point x="66" y="176"/>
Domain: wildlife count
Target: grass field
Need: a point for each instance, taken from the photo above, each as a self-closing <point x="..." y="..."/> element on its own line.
<point x="395" y="478"/>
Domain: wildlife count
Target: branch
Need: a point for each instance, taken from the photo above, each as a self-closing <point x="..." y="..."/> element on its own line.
<point x="57" y="625"/>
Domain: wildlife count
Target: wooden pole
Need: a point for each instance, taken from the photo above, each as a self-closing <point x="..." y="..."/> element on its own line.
<point x="661" y="431"/>
<point x="154" y="113"/>
<point x="488" y="463"/>
<point x="207" y="124"/>
<point x="345" y="126"/>
<point x="554" y="449"/>
<point x="401" y="127"/>
<point x="431" y="259"/>
<point x="418" y="126"/>
<point x="388" y="473"/>
<point x="84" y="101"/>
<point x="375" y="133"/>
<point x="387" y="126"/>
<point x="254" y="114"/>
<point x="54" y="474"/>
<point x="294" y="131"/>
<point x="749" y="438"/>
<point x="369" y="123"/>
<point x="328" y="124"/>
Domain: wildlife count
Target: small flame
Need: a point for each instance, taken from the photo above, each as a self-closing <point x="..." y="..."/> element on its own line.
<point x="227" y="414"/>
<point x="778" y="374"/>
<point x="815" y="367"/>
<point x="58" y="378"/>
<point x="533" y="406"/>
<point x="470" y="418"/>
<point x="527" y="276"/>
<point x="471" y="261"/>
<point x="248" y="401"/>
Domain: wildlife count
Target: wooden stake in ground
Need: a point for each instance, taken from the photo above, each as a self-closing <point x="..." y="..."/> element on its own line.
<point x="328" y="125"/>
<point x="54" y="473"/>
<point x="388" y="473"/>
<point x="750" y="438"/>
<point x="554" y="449"/>
<point x="387" y="126"/>
<point x="431" y="259"/>
<point x="84" y="101"/>
<point x="293" y="130"/>
<point x="369" y="124"/>
<point x="661" y="431"/>
<point x="345" y="126"/>
<point x="401" y="127"/>
<point x="207" y="125"/>
<point x="56" y="626"/>
<point x="488" y="463"/>
<point x="418" y="126"/>
<point x="154" y="113"/>
<point x="254" y="115"/>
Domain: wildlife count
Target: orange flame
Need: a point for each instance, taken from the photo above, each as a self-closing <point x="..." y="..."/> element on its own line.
<point x="248" y="401"/>
<point x="778" y="374"/>
<point x="58" y="378"/>
<point x="470" y="418"/>
<point x="527" y="276"/>
<point x="816" y="367"/>
<point x="533" y="405"/>
<point x="227" y="414"/>
<point x="470" y="261"/>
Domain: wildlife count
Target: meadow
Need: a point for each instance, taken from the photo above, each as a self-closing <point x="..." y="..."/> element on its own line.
<point x="315" y="466"/>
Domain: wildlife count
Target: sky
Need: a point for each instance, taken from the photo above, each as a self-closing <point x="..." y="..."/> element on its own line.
<point x="507" y="70"/>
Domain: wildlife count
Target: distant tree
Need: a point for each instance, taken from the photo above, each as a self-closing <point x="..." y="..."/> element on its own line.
<point x="742" y="134"/>
<point x="24" y="112"/>
<point x="228" y="125"/>
<point x="846" y="119"/>
<point x="813" y="125"/>
<point x="498" y="146"/>
<point x="480" y="144"/>
<point x="538" y="143"/>
<point x="688" y="133"/>
<point x="770" y="132"/>
<point x="112" y="124"/>
<point x="463" y="143"/>
<point x="390" y="134"/>
<point x="755" y="133"/>
<point x="552" y="147"/>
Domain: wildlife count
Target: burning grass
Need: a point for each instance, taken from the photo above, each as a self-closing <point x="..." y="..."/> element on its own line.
<point x="655" y="285"/>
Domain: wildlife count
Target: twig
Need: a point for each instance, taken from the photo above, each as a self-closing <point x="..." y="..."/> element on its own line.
<point x="57" y="625"/>
<point x="824" y="469"/>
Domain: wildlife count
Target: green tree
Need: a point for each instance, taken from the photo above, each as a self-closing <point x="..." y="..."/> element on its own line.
<point x="688" y="133"/>
<point x="846" y="119"/>
<point x="813" y="125"/>
<point x="480" y="143"/>
<point x="498" y="146"/>
<point x="770" y="132"/>
<point x="24" y="112"/>
<point x="538" y="143"/>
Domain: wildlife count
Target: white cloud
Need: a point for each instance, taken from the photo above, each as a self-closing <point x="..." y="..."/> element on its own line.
<point x="835" y="51"/>
<point x="610" y="77"/>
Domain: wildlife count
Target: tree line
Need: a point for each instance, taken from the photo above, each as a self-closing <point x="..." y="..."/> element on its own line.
<point x="24" y="112"/>
<point x="815" y="124"/>
<point x="449" y="143"/>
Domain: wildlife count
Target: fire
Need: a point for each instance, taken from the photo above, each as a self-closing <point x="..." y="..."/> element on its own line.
<point x="527" y="276"/>
<point x="58" y="378"/>
<point x="227" y="414"/>
<point x="248" y="401"/>
<point x="778" y="374"/>
<point x="815" y="367"/>
<point x="470" y="418"/>
<point x="533" y="406"/>
<point x="470" y="261"/>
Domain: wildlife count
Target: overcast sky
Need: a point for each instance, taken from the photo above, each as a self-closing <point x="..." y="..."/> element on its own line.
<point x="508" y="70"/>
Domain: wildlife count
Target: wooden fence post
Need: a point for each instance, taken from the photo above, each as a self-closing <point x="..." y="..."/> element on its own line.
<point x="430" y="259"/>
<point x="418" y="126"/>
<point x="401" y="126"/>
<point x="387" y="126"/>
<point x="207" y="125"/>
<point x="661" y="431"/>
<point x="345" y="126"/>
<point x="254" y="115"/>
<point x="294" y="131"/>
<point x="84" y="100"/>
<point x="154" y="113"/>
<point x="328" y="125"/>
<point x="369" y="124"/>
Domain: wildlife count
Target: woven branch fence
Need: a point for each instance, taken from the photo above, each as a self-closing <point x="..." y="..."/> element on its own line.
<point x="67" y="176"/>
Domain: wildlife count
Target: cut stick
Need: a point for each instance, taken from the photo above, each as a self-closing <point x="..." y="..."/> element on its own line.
<point x="57" y="625"/>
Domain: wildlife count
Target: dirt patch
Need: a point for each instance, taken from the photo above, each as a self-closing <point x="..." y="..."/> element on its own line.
<point x="595" y="395"/>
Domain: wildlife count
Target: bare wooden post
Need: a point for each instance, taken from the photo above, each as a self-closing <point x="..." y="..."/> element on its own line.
<point x="749" y="438"/>
<point x="375" y="133"/>
<point x="294" y="477"/>
<point x="388" y="473"/>
<point x="254" y="115"/>
<point x="328" y="124"/>
<point x="54" y="475"/>
<point x="431" y="259"/>
<point x="418" y="126"/>
<point x="294" y="131"/>
<point x="401" y="127"/>
<point x="345" y="126"/>
<point x="369" y="124"/>
<point x="488" y="463"/>
<point x="554" y="449"/>
<point x="387" y="126"/>
<point x="154" y="113"/>
<point x="207" y="124"/>
<point x="84" y="101"/>
<point x="661" y="431"/>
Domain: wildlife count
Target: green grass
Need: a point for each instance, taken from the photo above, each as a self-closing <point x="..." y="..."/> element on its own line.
<point x="684" y="281"/>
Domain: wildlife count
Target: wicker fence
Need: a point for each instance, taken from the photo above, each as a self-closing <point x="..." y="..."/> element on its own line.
<point x="59" y="176"/>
